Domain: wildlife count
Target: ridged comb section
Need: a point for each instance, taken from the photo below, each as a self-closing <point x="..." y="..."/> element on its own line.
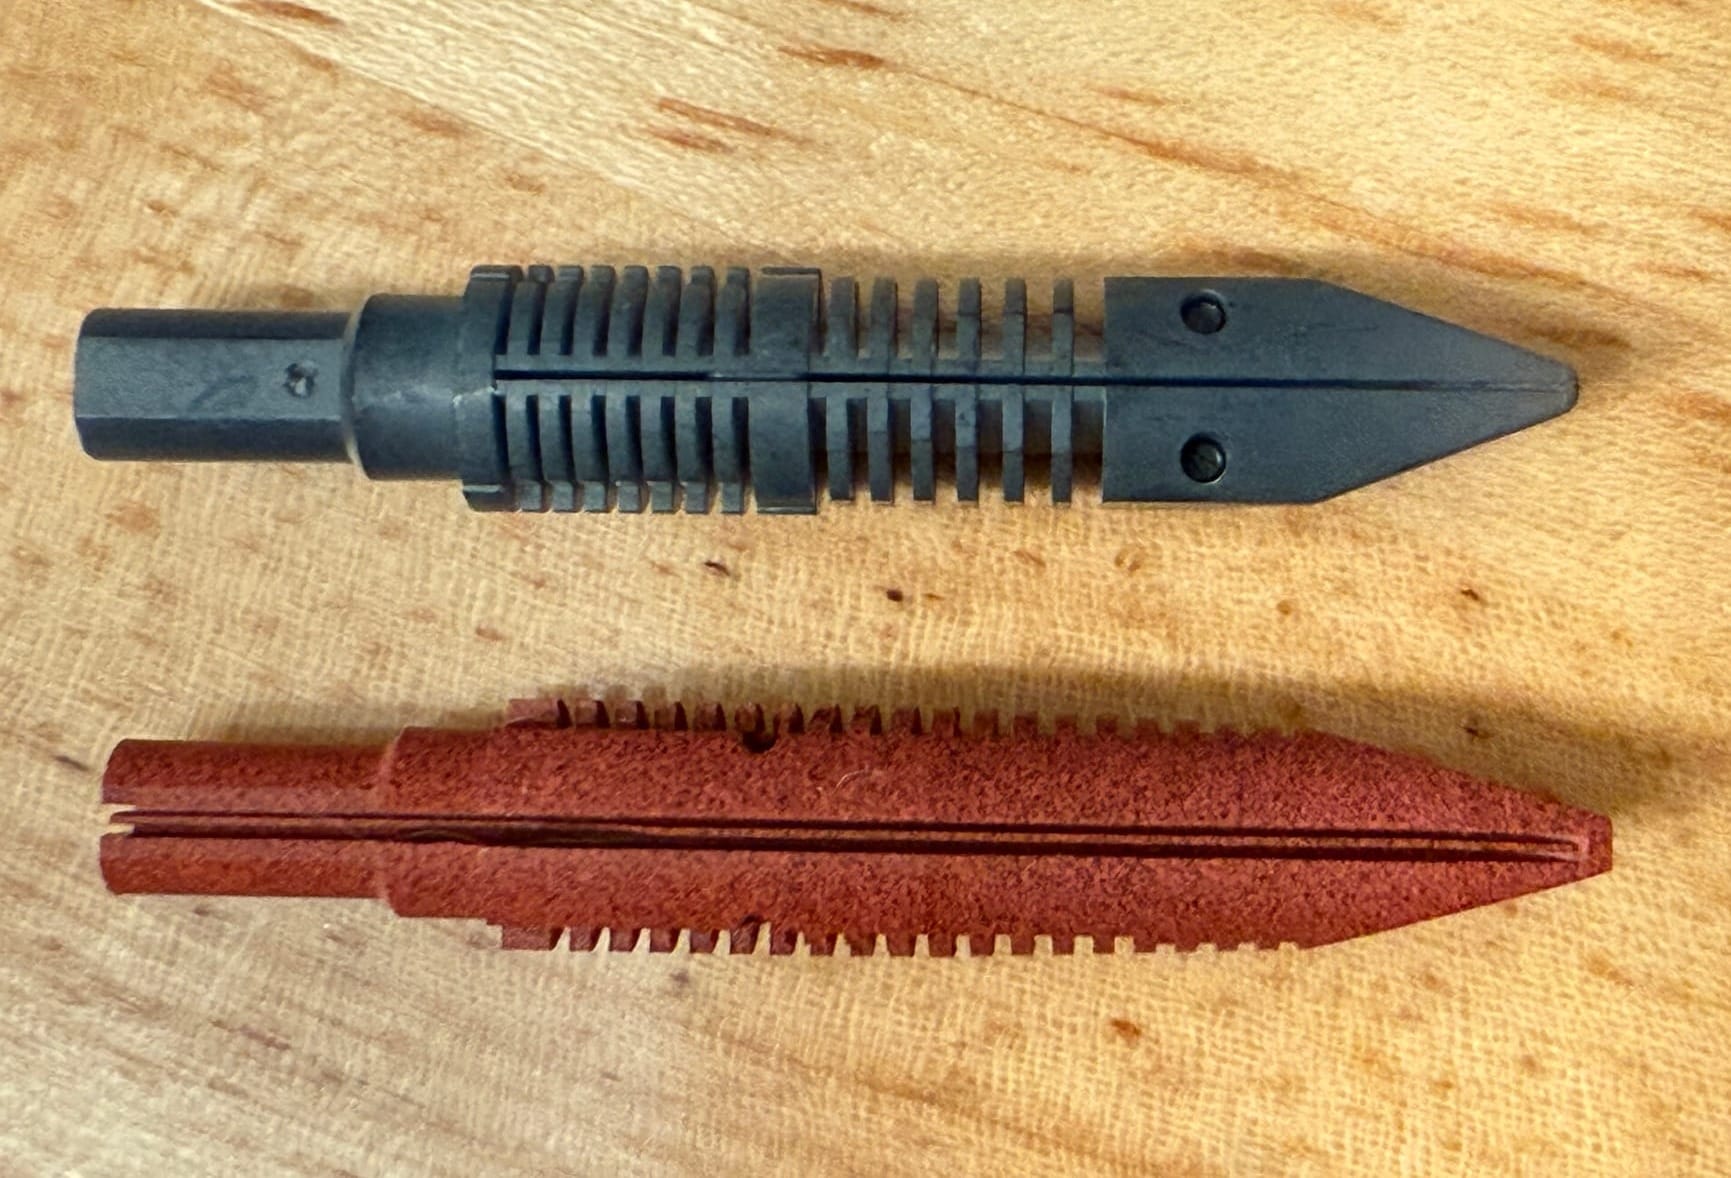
<point x="600" y="312"/>
<point x="754" y="721"/>
<point x="762" y="940"/>
<point x="624" y="389"/>
<point x="611" y="443"/>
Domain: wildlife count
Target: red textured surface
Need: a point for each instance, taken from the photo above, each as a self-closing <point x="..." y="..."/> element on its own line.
<point x="573" y="819"/>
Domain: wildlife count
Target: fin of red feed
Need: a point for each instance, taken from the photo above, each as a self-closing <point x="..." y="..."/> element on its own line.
<point x="666" y="827"/>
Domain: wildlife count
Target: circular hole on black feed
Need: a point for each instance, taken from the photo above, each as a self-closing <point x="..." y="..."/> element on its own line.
<point x="1203" y="312"/>
<point x="298" y="379"/>
<point x="1203" y="459"/>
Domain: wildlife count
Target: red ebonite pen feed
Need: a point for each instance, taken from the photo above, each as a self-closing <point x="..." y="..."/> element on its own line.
<point x="696" y="832"/>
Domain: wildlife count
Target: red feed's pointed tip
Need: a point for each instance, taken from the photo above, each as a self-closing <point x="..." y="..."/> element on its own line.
<point x="774" y="827"/>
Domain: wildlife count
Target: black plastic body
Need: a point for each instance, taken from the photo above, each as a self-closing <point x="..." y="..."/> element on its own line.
<point x="595" y="389"/>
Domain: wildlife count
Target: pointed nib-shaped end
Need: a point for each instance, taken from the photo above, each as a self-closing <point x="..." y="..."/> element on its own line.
<point x="1299" y="391"/>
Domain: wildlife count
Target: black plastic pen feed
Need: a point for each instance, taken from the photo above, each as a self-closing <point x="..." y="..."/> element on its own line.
<point x="590" y="389"/>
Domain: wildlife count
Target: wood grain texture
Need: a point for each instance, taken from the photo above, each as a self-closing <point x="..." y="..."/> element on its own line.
<point x="1549" y="610"/>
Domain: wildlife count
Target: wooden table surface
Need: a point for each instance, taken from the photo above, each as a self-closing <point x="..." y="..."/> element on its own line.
<point x="1550" y="610"/>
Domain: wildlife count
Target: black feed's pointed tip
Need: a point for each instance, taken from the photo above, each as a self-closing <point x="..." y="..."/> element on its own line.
<point x="1538" y="389"/>
<point x="1568" y="389"/>
<point x="1551" y="382"/>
